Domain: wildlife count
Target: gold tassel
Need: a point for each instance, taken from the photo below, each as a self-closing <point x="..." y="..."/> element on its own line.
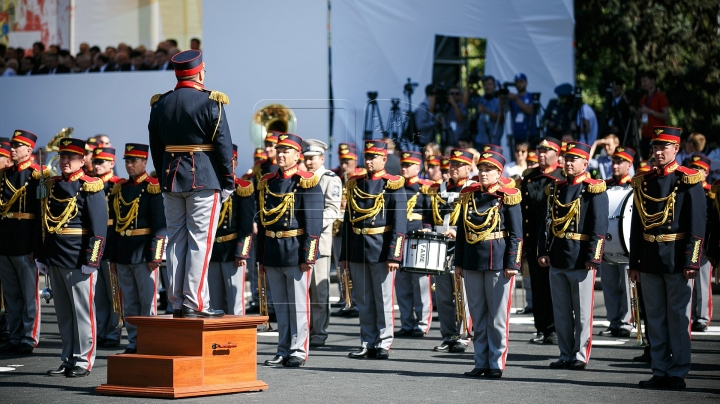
<point x="395" y="184"/>
<point x="96" y="185"/>
<point x="262" y="185"/>
<point x="116" y="189"/>
<point x="597" y="188"/>
<point x="47" y="173"/>
<point x="155" y="99"/>
<point x="692" y="178"/>
<point x="513" y="199"/>
<point x="153" y="188"/>
<point x="309" y="182"/>
<point x="49" y="184"/>
<point x="219" y="97"/>
<point x="245" y="191"/>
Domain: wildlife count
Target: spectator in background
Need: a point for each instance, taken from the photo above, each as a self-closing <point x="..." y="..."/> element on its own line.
<point x="172" y="42"/>
<point x="424" y="118"/>
<point x="84" y="48"/>
<point x="585" y="124"/>
<point x="162" y="62"/>
<point x="54" y="49"/>
<point x="66" y="59"/>
<point x="103" y="140"/>
<point x="618" y="110"/>
<point x="195" y="44"/>
<point x="456" y="117"/>
<point x="516" y="168"/>
<point x="137" y="62"/>
<point x="102" y="64"/>
<point x="122" y="62"/>
<point x="52" y="65"/>
<point x="38" y="50"/>
<point x="8" y="68"/>
<point x="149" y="59"/>
<point x="524" y="125"/>
<point x="695" y="143"/>
<point x="172" y="52"/>
<point x="431" y="149"/>
<point x="84" y="63"/>
<point x="26" y="66"/>
<point x="3" y="50"/>
<point x="110" y="52"/>
<point x="491" y="116"/>
<point x="94" y="51"/>
<point x="603" y="163"/>
<point x="392" y="165"/>
<point x="654" y="110"/>
<point x="20" y="54"/>
<point x="123" y="47"/>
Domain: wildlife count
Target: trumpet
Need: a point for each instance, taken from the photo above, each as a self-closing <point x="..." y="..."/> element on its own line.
<point x="635" y="306"/>
<point x="347" y="289"/>
<point x="47" y="292"/>
<point x="263" y="297"/>
<point x="460" y="314"/>
<point x="116" y="303"/>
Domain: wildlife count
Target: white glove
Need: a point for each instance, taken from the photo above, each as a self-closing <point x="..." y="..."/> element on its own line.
<point x="87" y="270"/>
<point x="225" y="194"/>
<point x="42" y="268"/>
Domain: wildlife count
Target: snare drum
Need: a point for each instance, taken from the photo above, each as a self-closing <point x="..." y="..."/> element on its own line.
<point x="425" y="253"/>
<point x="617" y="240"/>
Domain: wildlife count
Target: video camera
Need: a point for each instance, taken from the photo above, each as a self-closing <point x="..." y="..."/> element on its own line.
<point x="441" y="98"/>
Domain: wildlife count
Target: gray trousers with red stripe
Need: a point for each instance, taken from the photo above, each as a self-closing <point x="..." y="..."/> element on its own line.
<point x="139" y="294"/>
<point x="573" y="297"/>
<point x="489" y="299"/>
<point x="73" y="295"/>
<point x="191" y="222"/>
<point x="373" y="292"/>
<point x="290" y="288"/>
<point x="414" y="300"/>
<point x="20" y="286"/>
<point x="227" y="287"/>
<point x="106" y="318"/>
<point x="702" y="295"/>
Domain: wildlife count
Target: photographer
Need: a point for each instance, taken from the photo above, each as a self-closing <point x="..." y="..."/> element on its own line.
<point x="456" y="117"/>
<point x="654" y="110"/>
<point x="424" y="118"/>
<point x="618" y="109"/>
<point x="490" y="115"/>
<point x="524" y="127"/>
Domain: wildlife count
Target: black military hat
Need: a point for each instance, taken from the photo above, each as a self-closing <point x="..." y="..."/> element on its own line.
<point x="376" y="147"/>
<point x="91" y="144"/>
<point x="410" y="156"/>
<point x="578" y="149"/>
<point x="104" y="153"/>
<point x="5" y="149"/>
<point x="24" y="137"/>
<point x="666" y="134"/>
<point x="289" y="140"/>
<point x="549" y="143"/>
<point x="624" y="153"/>
<point x="188" y="63"/>
<point x="72" y="146"/>
<point x="492" y="158"/>
<point x="136" y="151"/>
<point x="493" y="147"/>
<point x="698" y="160"/>
<point x="461" y="156"/>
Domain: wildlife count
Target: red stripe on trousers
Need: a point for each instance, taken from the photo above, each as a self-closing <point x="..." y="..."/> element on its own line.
<point x="692" y="288"/>
<point x="710" y="307"/>
<point x="92" y="323"/>
<point x="208" y="250"/>
<point x="155" y="313"/>
<point x="392" y="305"/>
<point x="306" y="345"/>
<point x="36" y="323"/>
<point x="592" y="306"/>
<point x="507" y="321"/>
<point x="430" y="307"/>
<point x="242" y="293"/>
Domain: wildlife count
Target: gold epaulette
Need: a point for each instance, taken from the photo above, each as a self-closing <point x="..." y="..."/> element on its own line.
<point x="597" y="188"/>
<point x="309" y="182"/>
<point x="96" y="185"/>
<point x="155" y="99"/>
<point x="219" y="97"/>
<point x="692" y="178"/>
<point x="395" y="184"/>
<point x="116" y="188"/>
<point x="428" y="190"/>
<point x="245" y="190"/>
<point x="49" y="184"/>
<point x="513" y="199"/>
<point x="47" y="173"/>
<point x="153" y="188"/>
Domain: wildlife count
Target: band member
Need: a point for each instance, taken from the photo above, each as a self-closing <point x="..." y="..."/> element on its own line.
<point x="613" y="277"/>
<point x="572" y="246"/>
<point x="192" y="152"/>
<point x="488" y="254"/>
<point x="444" y="205"/>
<point x="19" y="218"/>
<point x="504" y="181"/>
<point x="137" y="247"/>
<point x="372" y="248"/>
<point x="108" y="332"/>
<point x="702" y="289"/>
<point x="331" y="187"/>
<point x="445" y="169"/>
<point x="666" y="237"/>
<point x="269" y="164"/>
<point x="433" y="170"/>
<point x="713" y="250"/>
<point x="534" y="203"/>
<point x="233" y="242"/>
<point x="259" y="157"/>
<point x="75" y="226"/>
<point x="414" y="295"/>
<point x="90" y="145"/>
<point x="291" y="208"/>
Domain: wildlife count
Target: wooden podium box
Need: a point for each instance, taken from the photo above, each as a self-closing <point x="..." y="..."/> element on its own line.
<point x="187" y="357"/>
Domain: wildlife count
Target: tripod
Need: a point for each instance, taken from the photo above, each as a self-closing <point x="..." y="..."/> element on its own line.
<point x="371" y="114"/>
<point x="395" y="121"/>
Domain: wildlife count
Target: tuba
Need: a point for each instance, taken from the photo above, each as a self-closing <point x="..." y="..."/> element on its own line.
<point x="52" y="150"/>
<point x="273" y="117"/>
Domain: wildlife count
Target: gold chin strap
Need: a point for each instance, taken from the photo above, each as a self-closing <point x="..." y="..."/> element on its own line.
<point x="373" y="211"/>
<point x="54" y="224"/>
<point x="655" y="219"/>
<point x="123" y="222"/>
<point x="287" y="202"/>
<point x="573" y="212"/>
<point x="473" y="232"/>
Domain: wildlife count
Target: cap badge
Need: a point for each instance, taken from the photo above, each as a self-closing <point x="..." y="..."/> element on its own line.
<point x="619" y="149"/>
<point x="570" y="146"/>
<point x="98" y="151"/>
<point x="544" y="143"/>
<point x="67" y="143"/>
<point x="406" y="155"/>
<point x="457" y="153"/>
<point x="18" y="133"/>
<point x="696" y="158"/>
<point x="129" y="147"/>
<point x="369" y="145"/>
<point x="487" y="155"/>
<point x="283" y="137"/>
<point x="658" y="131"/>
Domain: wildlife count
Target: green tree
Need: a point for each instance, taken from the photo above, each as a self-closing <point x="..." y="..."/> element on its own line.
<point x="679" y="39"/>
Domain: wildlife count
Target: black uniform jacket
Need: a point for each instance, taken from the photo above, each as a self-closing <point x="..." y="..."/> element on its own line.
<point x="713" y="224"/>
<point x="624" y="182"/>
<point x="534" y="203"/>
<point x="289" y="200"/>
<point x="375" y="200"/>
<point x="590" y="222"/>
<point x="191" y="116"/>
<point x="89" y="215"/>
<point x="439" y="206"/>
<point x="419" y="215"/>
<point x="233" y="238"/>
<point x="495" y="209"/>
<point x="109" y="181"/>
<point x="148" y="246"/>
<point x="19" y="208"/>
<point x="687" y="216"/>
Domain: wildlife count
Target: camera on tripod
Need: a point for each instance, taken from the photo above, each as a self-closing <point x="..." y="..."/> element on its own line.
<point x="474" y="77"/>
<point x="441" y="98"/>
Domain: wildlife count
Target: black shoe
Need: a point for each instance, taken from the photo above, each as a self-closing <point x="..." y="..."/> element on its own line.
<point x="403" y="333"/>
<point x="477" y="372"/>
<point x="382" y="353"/>
<point x="77" y="371"/>
<point x="337" y="305"/>
<point x="363" y="353"/>
<point x="177" y="313"/>
<point x="61" y="371"/>
<point x="130" y="350"/>
<point x="550" y="339"/>
<point x="560" y="364"/>
<point x="340" y="313"/>
<point x="538" y="339"/>
<point x="352" y="313"/>
<point x="190" y="313"/>
<point x="607" y="332"/>
<point x="110" y="343"/>
<point x="644" y="358"/>
<point x="417" y="334"/>
<point x="697" y="327"/>
<point x="317" y="343"/>
<point x="458" y="348"/>
<point x="9" y="348"/>
<point x="578" y="365"/>
<point x="445" y="346"/>
<point x="253" y="308"/>
<point x="526" y="310"/>
<point x="655" y="382"/>
<point x="25" y="349"/>
<point x="494" y="374"/>
<point x="277" y="360"/>
<point x="294" y="362"/>
<point x="622" y="333"/>
<point x="4" y="336"/>
<point x="676" y="383"/>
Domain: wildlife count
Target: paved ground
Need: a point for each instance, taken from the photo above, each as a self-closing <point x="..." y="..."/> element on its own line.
<point x="413" y="374"/>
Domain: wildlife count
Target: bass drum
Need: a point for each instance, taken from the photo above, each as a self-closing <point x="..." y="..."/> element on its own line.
<point x="617" y="241"/>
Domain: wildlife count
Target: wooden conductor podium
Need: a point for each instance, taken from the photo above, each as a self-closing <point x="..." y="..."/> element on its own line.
<point x="187" y="357"/>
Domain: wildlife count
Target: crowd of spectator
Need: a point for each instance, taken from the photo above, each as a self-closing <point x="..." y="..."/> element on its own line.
<point x="90" y="59"/>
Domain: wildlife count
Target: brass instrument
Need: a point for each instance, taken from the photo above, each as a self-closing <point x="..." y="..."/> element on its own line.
<point x="2" y="301"/>
<point x="460" y="314"/>
<point x="635" y="306"/>
<point x="273" y="117"/>
<point x="47" y="292"/>
<point x="116" y="303"/>
<point x="346" y="283"/>
<point x="52" y="150"/>
<point x="263" y="298"/>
